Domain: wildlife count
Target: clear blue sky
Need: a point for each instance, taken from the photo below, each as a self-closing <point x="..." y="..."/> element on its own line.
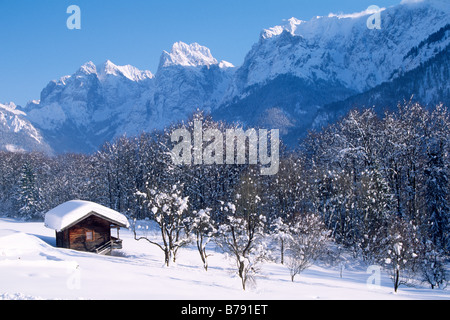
<point x="36" y="46"/>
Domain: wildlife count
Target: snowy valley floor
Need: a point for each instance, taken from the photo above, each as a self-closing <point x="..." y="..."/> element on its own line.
<point x="32" y="268"/>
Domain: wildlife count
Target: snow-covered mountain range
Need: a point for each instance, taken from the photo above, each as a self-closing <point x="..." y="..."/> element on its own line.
<point x="17" y="133"/>
<point x="99" y="102"/>
<point x="309" y="72"/>
<point x="299" y="75"/>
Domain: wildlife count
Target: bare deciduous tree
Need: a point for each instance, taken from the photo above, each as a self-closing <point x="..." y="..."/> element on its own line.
<point x="168" y="210"/>
<point x="307" y="240"/>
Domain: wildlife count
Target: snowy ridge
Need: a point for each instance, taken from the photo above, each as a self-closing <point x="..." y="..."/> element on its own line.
<point x="12" y="120"/>
<point x="365" y="13"/>
<point x="341" y="47"/>
<point x="81" y="111"/>
<point x="300" y="67"/>
<point x="97" y="103"/>
<point x="17" y="133"/>
<point x="192" y="55"/>
<point x="189" y="55"/>
<point x="109" y="68"/>
<point x="289" y="25"/>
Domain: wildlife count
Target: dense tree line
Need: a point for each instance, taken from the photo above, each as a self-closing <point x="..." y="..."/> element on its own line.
<point x="379" y="186"/>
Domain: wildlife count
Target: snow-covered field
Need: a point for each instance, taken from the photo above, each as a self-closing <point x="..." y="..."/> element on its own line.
<point x="32" y="268"/>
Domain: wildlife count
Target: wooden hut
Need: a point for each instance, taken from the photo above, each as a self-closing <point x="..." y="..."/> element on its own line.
<point x="86" y="226"/>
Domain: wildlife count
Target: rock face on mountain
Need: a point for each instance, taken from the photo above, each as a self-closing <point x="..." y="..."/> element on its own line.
<point x="188" y="78"/>
<point x="298" y="76"/>
<point x="81" y="111"/>
<point x="17" y="133"/>
<point x="99" y="102"/>
<point x="311" y="72"/>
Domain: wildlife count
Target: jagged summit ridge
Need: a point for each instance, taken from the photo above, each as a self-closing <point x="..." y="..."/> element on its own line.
<point x="109" y="68"/>
<point x="189" y="55"/>
<point x="102" y="101"/>
<point x="340" y="48"/>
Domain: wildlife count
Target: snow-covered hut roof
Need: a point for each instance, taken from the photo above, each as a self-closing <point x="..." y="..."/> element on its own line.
<point x="70" y="213"/>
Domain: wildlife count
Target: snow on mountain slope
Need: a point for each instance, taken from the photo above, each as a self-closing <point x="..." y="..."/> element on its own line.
<point x="17" y="133"/>
<point x="340" y="48"/>
<point x="187" y="55"/>
<point x="90" y="94"/>
<point x="427" y="84"/>
<point x="81" y="111"/>
<point x="299" y="67"/>
<point x="189" y="78"/>
<point x="101" y="102"/>
<point x="128" y="71"/>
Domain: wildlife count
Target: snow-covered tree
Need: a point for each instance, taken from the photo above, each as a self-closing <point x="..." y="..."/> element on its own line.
<point x="280" y="233"/>
<point x="437" y="177"/>
<point x="401" y="253"/>
<point x="241" y="236"/>
<point x="433" y="266"/>
<point x="306" y="243"/>
<point x="28" y="194"/>
<point x="169" y="210"/>
<point x="437" y="197"/>
<point x="203" y="229"/>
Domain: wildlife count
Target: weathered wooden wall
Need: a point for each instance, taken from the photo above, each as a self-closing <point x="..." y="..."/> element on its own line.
<point x="75" y="237"/>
